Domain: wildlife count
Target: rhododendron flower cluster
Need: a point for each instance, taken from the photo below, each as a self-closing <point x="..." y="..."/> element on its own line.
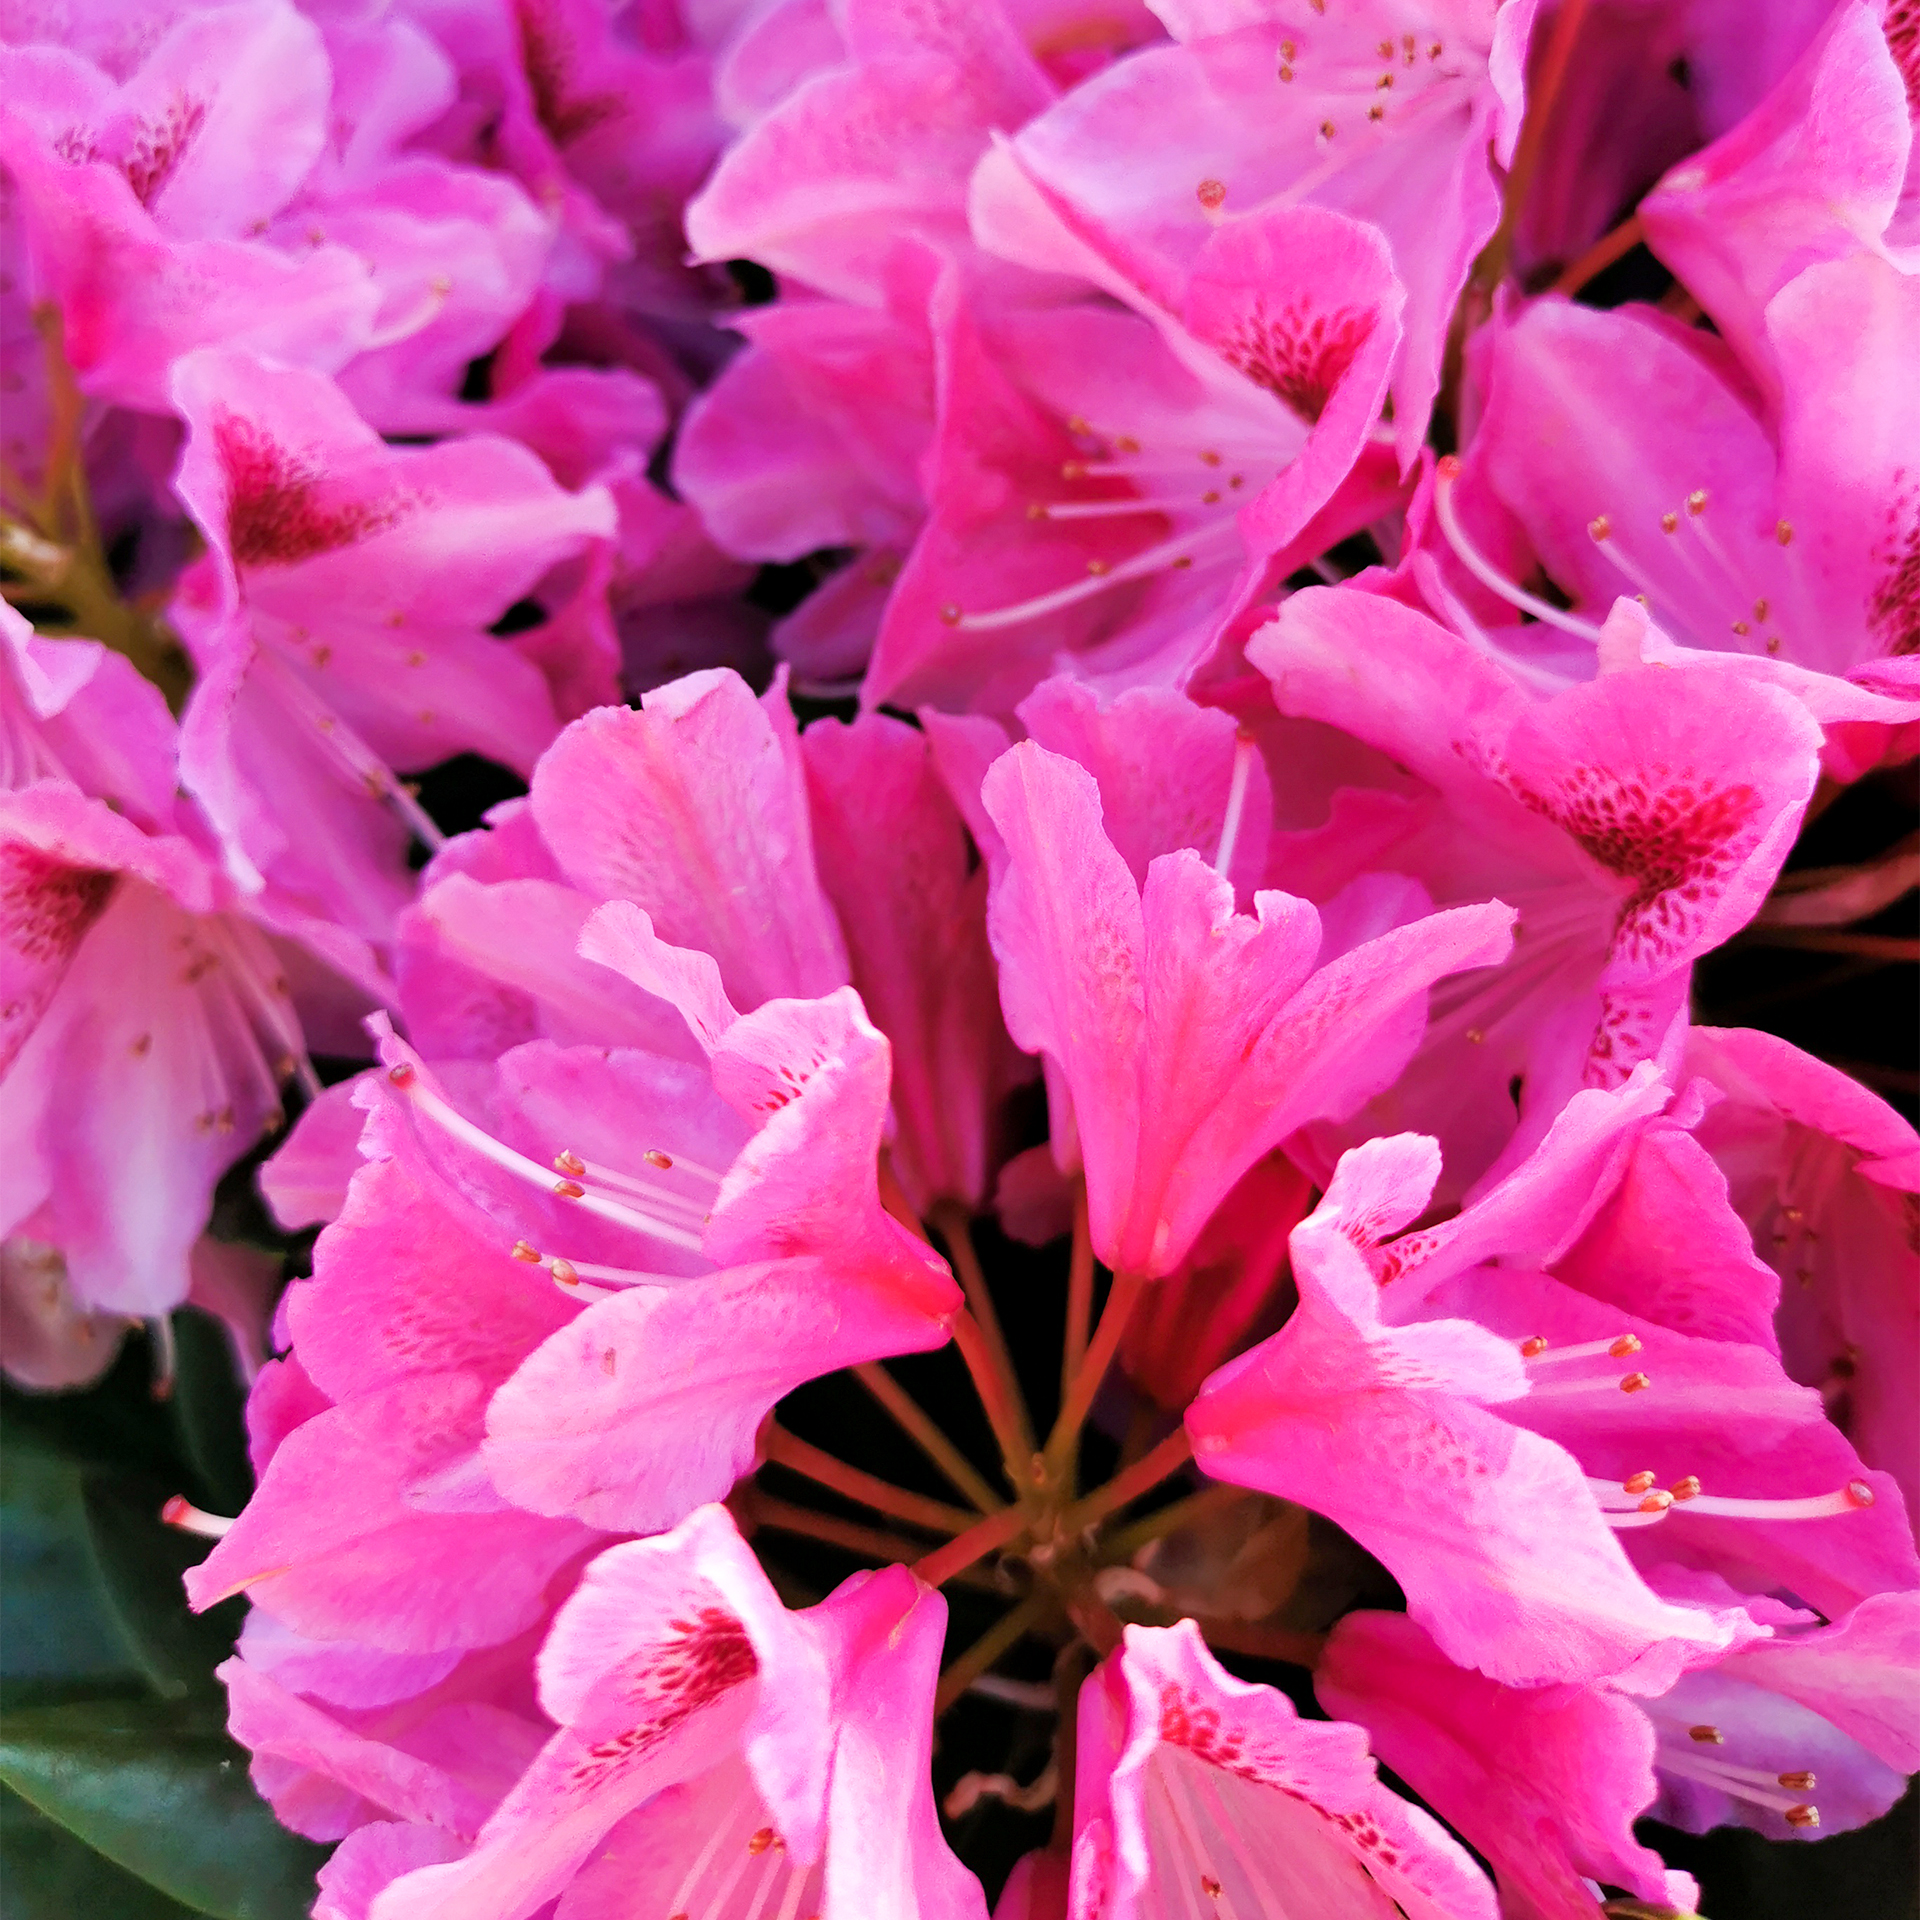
<point x="931" y="803"/>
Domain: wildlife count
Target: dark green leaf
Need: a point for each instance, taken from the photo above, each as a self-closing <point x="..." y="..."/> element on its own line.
<point x="208" y="1409"/>
<point x="46" y="1874"/>
<point x="141" y="1560"/>
<point x="56" y="1622"/>
<point x="117" y="1422"/>
<point x="161" y="1791"/>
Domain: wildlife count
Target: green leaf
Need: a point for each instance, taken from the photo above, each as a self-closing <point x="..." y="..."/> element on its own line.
<point x="56" y="1621"/>
<point x="209" y="1410"/>
<point x="49" y="1875"/>
<point x="162" y="1792"/>
<point x="141" y="1561"/>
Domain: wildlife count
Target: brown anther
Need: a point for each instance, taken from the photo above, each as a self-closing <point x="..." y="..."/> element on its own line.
<point x="1287" y="49"/>
<point x="609" y="1360"/>
<point x="1634" y="1382"/>
<point x="655" y="1158"/>
<point x="1599" y="526"/>
<point x="1237" y="480"/>
<point x="1803" y="1816"/>
<point x="1626" y="1344"/>
<point x="1686" y="1489"/>
<point x="1637" y="1483"/>
<point x="569" y="1189"/>
<point x="1208" y="458"/>
<point x="1669" y="522"/>
<point x="1533" y="1346"/>
<point x="1783" y="532"/>
<point x="1798" y="1782"/>
<point x="1859" y="1494"/>
<point x="1773" y="643"/>
<point x="1383" y="83"/>
<point x="1073" y="470"/>
<point x="1376" y="112"/>
<point x="1126" y="444"/>
<point x="562" y="1270"/>
<point x="762" y="1839"/>
<point x="1036" y="510"/>
<point x="1327" y="129"/>
<point x="1212" y="194"/>
<point x="1210" y="1886"/>
<point x="1707" y="1736"/>
<point x="1741" y="627"/>
<point x="1077" y="424"/>
<point x="1386" y="49"/>
<point x="524" y="1250"/>
<point x="142" y="1046"/>
<point x="1286" y="73"/>
<point x="1319" y="6"/>
<point x="1476" y="1037"/>
<point x="567" y="1161"/>
<point x="1760" y="609"/>
<point x="950" y="614"/>
<point x="1098" y="567"/>
<point x="1697" y="502"/>
<point x="1211" y="498"/>
<point x="402" y="1074"/>
<point x="1435" y="51"/>
<point x="1657" y="1501"/>
<point x="1182" y="563"/>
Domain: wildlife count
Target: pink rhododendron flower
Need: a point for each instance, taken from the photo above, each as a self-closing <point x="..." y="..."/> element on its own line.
<point x="400" y="559"/>
<point x="1489" y="1428"/>
<point x="1071" y="832"/>
<point x="1186" y="1060"/>
<point x="708" y="1738"/>
<point x="1192" y="1780"/>
<point x="1635" y="829"/>
<point x="1367" y="111"/>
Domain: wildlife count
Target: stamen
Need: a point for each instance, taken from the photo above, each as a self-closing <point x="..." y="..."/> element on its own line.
<point x="1109" y="509"/>
<point x="351" y="753"/>
<point x="1685" y="1494"/>
<point x="1141" y="565"/>
<point x="1563" y="1389"/>
<point x="182" y="1513"/>
<point x="479" y="1141"/>
<point x="1236" y="801"/>
<point x="1742" y="1783"/>
<point x="1851" y="1498"/>
<point x="1483" y="569"/>
<point x="1707" y="1736"/>
<point x="1615" y="1349"/>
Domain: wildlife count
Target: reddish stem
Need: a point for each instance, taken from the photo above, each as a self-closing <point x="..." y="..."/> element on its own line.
<point x="996" y="1531"/>
<point x="797" y="1456"/>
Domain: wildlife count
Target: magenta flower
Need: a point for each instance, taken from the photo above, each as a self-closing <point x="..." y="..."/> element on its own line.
<point x="1823" y="1173"/>
<point x="711" y="1745"/>
<point x="1016" y="785"/>
<point x="340" y="623"/>
<point x="1193" y="1783"/>
<point x="1631" y="822"/>
<point x="1190" y="1038"/>
<point x="1116" y="485"/>
<point x="1345" y="112"/>
<point x="1440" y="1410"/>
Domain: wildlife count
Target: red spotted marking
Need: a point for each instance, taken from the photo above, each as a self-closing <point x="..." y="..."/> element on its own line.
<point x="276" y="515"/>
<point x="1300" y="355"/>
